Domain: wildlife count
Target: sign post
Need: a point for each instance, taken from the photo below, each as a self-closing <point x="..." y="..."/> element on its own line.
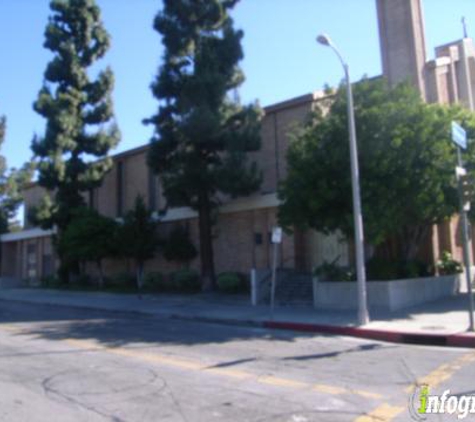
<point x="276" y="240"/>
<point x="459" y="137"/>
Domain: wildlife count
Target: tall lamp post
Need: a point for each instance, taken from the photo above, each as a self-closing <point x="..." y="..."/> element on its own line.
<point x="363" y="317"/>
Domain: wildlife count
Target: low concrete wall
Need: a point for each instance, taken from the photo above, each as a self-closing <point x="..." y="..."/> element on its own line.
<point x="260" y="286"/>
<point x="10" y="282"/>
<point x="384" y="295"/>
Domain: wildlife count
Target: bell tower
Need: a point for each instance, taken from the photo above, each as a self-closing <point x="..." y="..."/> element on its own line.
<point x="402" y="42"/>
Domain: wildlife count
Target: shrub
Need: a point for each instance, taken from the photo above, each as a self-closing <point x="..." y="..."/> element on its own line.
<point x="416" y="268"/>
<point x="83" y="280"/>
<point x="231" y="282"/>
<point x="155" y="281"/>
<point x="178" y="247"/>
<point x="121" y="280"/>
<point x="186" y="281"/>
<point x="383" y="269"/>
<point x="447" y="265"/>
<point x="50" y="281"/>
<point x="329" y="271"/>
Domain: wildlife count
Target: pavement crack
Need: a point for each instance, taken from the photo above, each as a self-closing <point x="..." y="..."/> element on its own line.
<point x="409" y="373"/>
<point x="53" y="393"/>
<point x="176" y="403"/>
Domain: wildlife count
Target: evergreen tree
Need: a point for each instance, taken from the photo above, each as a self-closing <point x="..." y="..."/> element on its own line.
<point x="138" y="238"/>
<point x="89" y="238"/>
<point x="178" y="247"/>
<point x="12" y="182"/>
<point x="202" y="135"/>
<point x="72" y="154"/>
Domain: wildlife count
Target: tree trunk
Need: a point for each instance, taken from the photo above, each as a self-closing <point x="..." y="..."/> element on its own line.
<point x="208" y="277"/>
<point x="139" y="270"/>
<point x="411" y="240"/>
<point x="101" y="274"/>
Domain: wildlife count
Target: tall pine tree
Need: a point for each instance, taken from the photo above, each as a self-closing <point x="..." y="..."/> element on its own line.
<point x="72" y="154"/>
<point x="202" y="133"/>
<point x="12" y="182"/>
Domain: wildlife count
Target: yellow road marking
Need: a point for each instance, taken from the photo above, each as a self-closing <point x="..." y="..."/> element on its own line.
<point x="10" y="328"/>
<point x="233" y="373"/>
<point x="150" y="357"/>
<point x="329" y="389"/>
<point x="383" y="413"/>
<point x="281" y="382"/>
<point x="155" y="358"/>
<point x="368" y="394"/>
<point x="442" y="373"/>
<point x="197" y="366"/>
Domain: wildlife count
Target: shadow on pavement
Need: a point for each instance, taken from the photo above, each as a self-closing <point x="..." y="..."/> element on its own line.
<point x="114" y="329"/>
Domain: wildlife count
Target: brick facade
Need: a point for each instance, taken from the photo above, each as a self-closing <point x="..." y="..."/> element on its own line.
<point x="243" y="227"/>
<point x="242" y="232"/>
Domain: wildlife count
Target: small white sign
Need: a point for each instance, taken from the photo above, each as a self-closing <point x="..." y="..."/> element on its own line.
<point x="459" y="136"/>
<point x="277" y="235"/>
<point x="460" y="171"/>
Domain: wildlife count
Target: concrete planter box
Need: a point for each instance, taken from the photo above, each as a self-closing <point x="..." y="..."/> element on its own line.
<point x="384" y="295"/>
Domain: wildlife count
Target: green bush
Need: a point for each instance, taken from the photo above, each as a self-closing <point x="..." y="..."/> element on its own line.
<point x="447" y="265"/>
<point x="329" y="271"/>
<point x="186" y="281"/>
<point x="416" y="268"/>
<point x="383" y="269"/>
<point x="50" y="281"/>
<point x="178" y="247"/>
<point x="231" y="282"/>
<point x="83" y="280"/>
<point x="156" y="282"/>
<point x="122" y="280"/>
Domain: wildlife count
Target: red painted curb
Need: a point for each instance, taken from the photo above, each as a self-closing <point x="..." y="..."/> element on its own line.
<point x="453" y="340"/>
<point x="459" y="340"/>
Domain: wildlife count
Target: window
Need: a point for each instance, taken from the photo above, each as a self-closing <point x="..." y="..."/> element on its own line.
<point x="152" y="190"/>
<point x="31" y="260"/>
<point x="120" y="188"/>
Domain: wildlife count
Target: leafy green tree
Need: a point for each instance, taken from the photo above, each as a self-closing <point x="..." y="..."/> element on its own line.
<point x="12" y="182"/>
<point x="178" y="247"/>
<point x="90" y="237"/>
<point x="406" y="159"/>
<point x="202" y="135"/>
<point x="72" y="153"/>
<point x="138" y="239"/>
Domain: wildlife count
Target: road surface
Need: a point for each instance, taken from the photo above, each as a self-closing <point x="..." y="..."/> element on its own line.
<point x="64" y="364"/>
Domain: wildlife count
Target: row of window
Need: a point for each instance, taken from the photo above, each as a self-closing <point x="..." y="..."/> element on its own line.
<point x="153" y="191"/>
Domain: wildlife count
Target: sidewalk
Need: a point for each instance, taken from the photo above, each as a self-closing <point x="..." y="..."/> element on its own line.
<point x="439" y="323"/>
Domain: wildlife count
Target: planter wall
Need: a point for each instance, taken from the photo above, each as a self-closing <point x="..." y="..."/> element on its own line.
<point x="385" y="295"/>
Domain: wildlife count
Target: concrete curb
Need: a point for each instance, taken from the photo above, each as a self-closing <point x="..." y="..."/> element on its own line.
<point x="428" y="339"/>
<point x="420" y="338"/>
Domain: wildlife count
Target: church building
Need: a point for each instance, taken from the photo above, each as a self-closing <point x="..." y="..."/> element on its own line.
<point x="242" y="233"/>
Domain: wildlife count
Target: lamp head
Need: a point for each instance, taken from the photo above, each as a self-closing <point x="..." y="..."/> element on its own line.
<point x="324" y="39"/>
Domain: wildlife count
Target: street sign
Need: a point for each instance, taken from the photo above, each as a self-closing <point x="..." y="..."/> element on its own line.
<point x="459" y="136"/>
<point x="460" y="171"/>
<point x="277" y="235"/>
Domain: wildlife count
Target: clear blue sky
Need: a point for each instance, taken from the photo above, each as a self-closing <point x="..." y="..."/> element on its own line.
<point x="282" y="59"/>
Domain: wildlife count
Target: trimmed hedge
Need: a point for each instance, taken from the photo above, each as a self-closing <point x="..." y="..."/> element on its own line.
<point x="186" y="281"/>
<point x="232" y="282"/>
<point x="156" y="282"/>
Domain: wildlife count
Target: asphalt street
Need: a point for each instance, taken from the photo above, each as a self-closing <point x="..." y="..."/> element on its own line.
<point x="64" y="364"/>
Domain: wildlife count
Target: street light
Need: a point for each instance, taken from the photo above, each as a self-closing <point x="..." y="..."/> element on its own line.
<point x="363" y="317"/>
